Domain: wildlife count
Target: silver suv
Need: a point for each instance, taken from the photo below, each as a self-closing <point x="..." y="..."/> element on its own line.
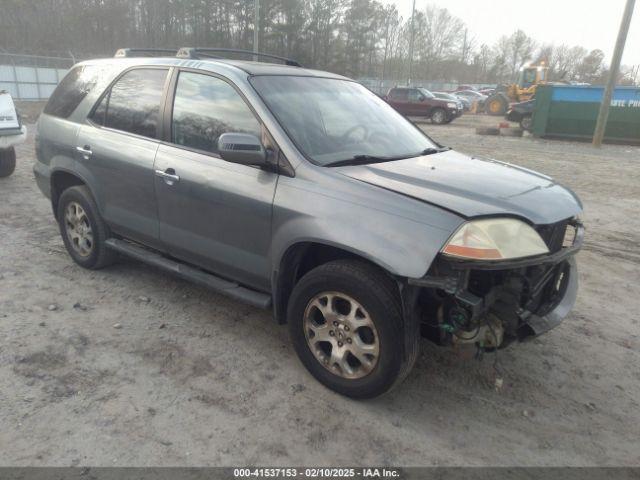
<point x="303" y="192"/>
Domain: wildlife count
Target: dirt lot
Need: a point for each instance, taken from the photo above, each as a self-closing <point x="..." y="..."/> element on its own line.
<point x="192" y="378"/>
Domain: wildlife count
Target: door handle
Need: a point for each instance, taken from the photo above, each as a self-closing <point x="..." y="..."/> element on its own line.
<point x="169" y="176"/>
<point x="85" y="151"/>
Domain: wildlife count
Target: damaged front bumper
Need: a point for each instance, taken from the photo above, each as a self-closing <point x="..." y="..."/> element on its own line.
<point x="491" y="303"/>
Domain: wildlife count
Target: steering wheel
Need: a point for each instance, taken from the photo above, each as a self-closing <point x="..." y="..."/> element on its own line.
<point x="349" y="132"/>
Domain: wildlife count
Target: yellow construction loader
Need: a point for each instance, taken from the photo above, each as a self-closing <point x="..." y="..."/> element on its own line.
<point x="529" y="78"/>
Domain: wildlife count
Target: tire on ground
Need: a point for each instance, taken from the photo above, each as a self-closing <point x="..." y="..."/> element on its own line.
<point x="488" y="131"/>
<point x="379" y="296"/>
<point x="511" y="132"/>
<point x="7" y="162"/>
<point x="100" y="255"/>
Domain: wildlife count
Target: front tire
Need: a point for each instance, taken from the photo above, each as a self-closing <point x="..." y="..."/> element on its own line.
<point x="526" y="123"/>
<point x="7" y="162"/>
<point x="83" y="230"/>
<point x="345" y="322"/>
<point x="496" y="105"/>
<point x="438" y="116"/>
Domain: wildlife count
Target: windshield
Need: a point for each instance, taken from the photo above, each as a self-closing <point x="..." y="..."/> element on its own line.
<point x="427" y="93"/>
<point x="332" y="120"/>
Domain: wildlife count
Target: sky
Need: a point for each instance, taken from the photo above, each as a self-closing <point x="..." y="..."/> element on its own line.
<point x="589" y="23"/>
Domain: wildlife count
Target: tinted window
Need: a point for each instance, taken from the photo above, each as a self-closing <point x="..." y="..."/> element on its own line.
<point x="399" y="94"/>
<point x="72" y="90"/>
<point x="204" y="108"/>
<point x="133" y="103"/>
<point x="415" y="95"/>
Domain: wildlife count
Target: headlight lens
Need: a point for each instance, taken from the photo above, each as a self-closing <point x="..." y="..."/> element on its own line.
<point x="451" y="105"/>
<point x="495" y="239"/>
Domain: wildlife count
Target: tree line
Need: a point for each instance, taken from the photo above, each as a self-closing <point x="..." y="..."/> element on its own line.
<point x="357" y="38"/>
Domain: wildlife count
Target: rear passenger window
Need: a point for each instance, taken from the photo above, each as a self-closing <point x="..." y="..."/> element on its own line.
<point x="72" y="90"/>
<point x="399" y="94"/>
<point x="204" y="108"/>
<point x="133" y="102"/>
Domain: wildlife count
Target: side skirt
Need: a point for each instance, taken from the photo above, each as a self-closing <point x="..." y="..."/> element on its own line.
<point x="217" y="284"/>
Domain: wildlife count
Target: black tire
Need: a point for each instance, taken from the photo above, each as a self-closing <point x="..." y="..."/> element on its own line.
<point x="487" y="131"/>
<point x="496" y="105"/>
<point x="7" y="162"/>
<point x="379" y="296"/>
<point x="99" y="255"/>
<point x="526" y="123"/>
<point x="438" y="116"/>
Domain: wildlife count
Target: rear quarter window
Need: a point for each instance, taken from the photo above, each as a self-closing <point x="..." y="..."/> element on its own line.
<point x="73" y="88"/>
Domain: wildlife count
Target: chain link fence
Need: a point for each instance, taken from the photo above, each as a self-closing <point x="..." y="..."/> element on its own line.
<point x="32" y="77"/>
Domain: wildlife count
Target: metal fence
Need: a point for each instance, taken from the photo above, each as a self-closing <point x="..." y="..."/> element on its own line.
<point x="381" y="87"/>
<point x="32" y="77"/>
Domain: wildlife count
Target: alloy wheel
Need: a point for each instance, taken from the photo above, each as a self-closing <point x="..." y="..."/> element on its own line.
<point x="78" y="229"/>
<point x="341" y="335"/>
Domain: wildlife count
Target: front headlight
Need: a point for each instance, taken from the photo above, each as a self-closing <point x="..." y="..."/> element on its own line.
<point x="451" y="105"/>
<point x="495" y="239"/>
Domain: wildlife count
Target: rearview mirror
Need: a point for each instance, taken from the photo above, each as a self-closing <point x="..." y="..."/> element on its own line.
<point x="242" y="148"/>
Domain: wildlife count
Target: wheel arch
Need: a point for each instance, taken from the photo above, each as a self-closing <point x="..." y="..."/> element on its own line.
<point x="62" y="179"/>
<point x="301" y="257"/>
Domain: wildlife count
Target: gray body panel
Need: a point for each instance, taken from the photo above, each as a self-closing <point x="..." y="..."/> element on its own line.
<point x="473" y="187"/>
<point x="239" y="221"/>
<point x="218" y="215"/>
<point x="122" y="180"/>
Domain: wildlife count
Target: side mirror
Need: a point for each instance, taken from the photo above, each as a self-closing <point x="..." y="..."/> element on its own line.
<point x="242" y="148"/>
<point x="421" y="98"/>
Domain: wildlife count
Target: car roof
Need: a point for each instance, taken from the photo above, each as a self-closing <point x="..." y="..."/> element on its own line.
<point x="216" y="65"/>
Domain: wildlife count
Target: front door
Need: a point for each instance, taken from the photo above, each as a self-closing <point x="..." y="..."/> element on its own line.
<point x="213" y="213"/>
<point x="116" y="150"/>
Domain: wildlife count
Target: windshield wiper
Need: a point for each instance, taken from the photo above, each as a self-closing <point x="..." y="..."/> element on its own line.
<point x="362" y="160"/>
<point x="368" y="159"/>
<point x="431" y="150"/>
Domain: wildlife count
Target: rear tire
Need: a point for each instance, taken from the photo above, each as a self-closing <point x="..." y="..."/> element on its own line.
<point x="325" y="309"/>
<point x="7" y="162"/>
<point x="83" y="230"/>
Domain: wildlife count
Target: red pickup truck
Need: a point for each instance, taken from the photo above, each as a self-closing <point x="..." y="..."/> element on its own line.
<point x="420" y="102"/>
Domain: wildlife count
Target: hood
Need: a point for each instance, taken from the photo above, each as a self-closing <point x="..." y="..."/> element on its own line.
<point x="472" y="187"/>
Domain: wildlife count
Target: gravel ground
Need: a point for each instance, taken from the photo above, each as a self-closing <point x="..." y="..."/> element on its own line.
<point x="130" y="366"/>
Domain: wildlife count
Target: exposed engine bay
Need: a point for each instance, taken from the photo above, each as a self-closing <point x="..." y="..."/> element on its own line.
<point x="491" y="304"/>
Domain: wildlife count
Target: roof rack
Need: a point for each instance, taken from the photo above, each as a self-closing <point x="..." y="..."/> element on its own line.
<point x="145" y="52"/>
<point x="212" y="53"/>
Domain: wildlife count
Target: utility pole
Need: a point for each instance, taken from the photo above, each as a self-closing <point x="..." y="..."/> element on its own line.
<point x="603" y="114"/>
<point x="256" y="29"/>
<point x="413" y="13"/>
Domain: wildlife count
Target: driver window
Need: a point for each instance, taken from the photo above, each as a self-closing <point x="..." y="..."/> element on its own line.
<point x="415" y="96"/>
<point x="204" y="108"/>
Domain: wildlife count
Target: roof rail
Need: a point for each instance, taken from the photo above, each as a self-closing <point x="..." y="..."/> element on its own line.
<point x="212" y="53"/>
<point x="145" y="52"/>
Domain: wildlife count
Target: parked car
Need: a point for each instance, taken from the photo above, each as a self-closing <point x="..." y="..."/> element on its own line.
<point x="12" y="133"/>
<point x="420" y="102"/>
<point x="487" y="92"/>
<point x="473" y="96"/>
<point x="451" y="98"/>
<point x="466" y="103"/>
<point x="302" y="192"/>
<point x="522" y="113"/>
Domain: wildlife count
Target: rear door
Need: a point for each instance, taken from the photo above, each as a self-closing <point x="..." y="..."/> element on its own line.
<point x="116" y="150"/>
<point x="213" y="213"/>
<point x="398" y="98"/>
